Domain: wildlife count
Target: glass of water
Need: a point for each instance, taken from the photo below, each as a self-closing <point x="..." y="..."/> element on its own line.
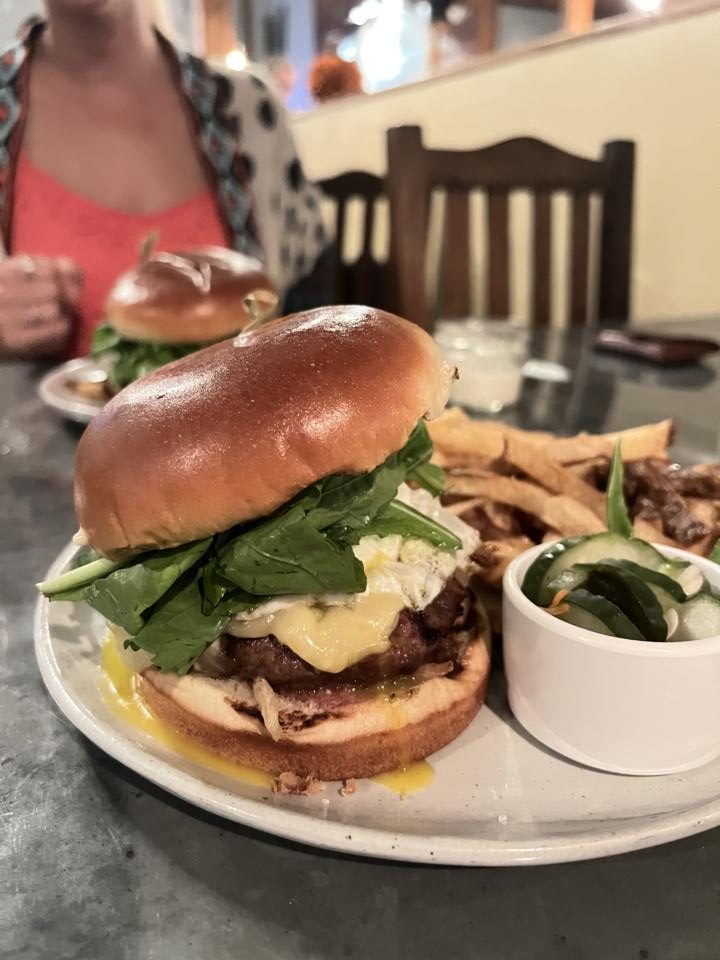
<point x="489" y="356"/>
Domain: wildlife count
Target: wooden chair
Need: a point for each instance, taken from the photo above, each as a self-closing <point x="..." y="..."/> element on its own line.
<point x="365" y="279"/>
<point x="524" y="163"/>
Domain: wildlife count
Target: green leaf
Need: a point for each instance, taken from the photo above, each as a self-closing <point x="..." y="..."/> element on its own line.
<point x="618" y="519"/>
<point x="131" y="359"/>
<point x="214" y="587"/>
<point x="350" y="503"/>
<point x="84" y="556"/>
<point x="429" y="476"/>
<point x="418" y="448"/>
<point x="126" y="594"/>
<point x="286" y="555"/>
<point x="715" y="552"/>
<point x="178" y="631"/>
<point x="104" y="338"/>
<point x="79" y="577"/>
<point x="399" y="518"/>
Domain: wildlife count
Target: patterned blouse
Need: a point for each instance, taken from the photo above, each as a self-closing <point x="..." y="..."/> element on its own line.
<point x="265" y="203"/>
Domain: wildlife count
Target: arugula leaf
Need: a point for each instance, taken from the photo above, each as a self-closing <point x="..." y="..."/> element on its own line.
<point x="418" y="448"/>
<point x="715" y="552"/>
<point x="78" y="578"/>
<point x="214" y="587"/>
<point x="84" y="556"/>
<point x="348" y="503"/>
<point x="131" y="359"/>
<point x="287" y="554"/>
<point x="618" y="519"/>
<point x="124" y="595"/>
<point x="401" y="518"/>
<point x="104" y="338"/>
<point x="179" y="631"/>
<point x="429" y="476"/>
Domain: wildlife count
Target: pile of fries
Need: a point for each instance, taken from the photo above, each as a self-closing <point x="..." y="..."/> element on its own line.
<point x="519" y="488"/>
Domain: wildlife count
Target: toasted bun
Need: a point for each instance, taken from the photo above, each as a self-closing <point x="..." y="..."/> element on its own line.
<point x="361" y="739"/>
<point x="193" y="297"/>
<point x="234" y="431"/>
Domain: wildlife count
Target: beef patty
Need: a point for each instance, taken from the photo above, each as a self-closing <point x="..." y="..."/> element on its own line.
<point x="437" y="634"/>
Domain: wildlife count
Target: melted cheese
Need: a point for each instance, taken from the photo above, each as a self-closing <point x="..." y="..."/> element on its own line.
<point x="330" y="638"/>
<point x="409" y="779"/>
<point x="119" y="689"/>
<point x="334" y="631"/>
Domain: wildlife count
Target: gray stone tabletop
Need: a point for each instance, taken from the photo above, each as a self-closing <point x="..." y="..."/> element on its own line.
<point x="98" y="864"/>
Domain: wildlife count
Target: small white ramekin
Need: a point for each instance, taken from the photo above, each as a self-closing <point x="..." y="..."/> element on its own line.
<point x="626" y="706"/>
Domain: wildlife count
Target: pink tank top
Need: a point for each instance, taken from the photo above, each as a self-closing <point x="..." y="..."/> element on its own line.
<point x="49" y="220"/>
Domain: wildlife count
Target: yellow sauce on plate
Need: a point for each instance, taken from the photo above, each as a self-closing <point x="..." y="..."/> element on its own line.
<point x="121" y="695"/>
<point x="409" y="779"/>
<point x="119" y="689"/>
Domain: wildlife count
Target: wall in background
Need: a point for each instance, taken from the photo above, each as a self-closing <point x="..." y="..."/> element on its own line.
<point x="657" y="85"/>
<point x="12" y="14"/>
<point x="523" y="24"/>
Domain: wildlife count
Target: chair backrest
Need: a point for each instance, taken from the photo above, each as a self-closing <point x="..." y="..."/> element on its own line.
<point x="364" y="279"/>
<point x="520" y="164"/>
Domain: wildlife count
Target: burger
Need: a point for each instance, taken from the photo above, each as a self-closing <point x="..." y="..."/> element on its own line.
<point x="173" y="304"/>
<point x="268" y="535"/>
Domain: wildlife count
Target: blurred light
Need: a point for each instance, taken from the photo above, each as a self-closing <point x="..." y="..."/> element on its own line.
<point x="381" y="56"/>
<point x="456" y="14"/>
<point x="364" y="12"/>
<point x="236" y="59"/>
<point x="347" y="49"/>
<point x="424" y="9"/>
<point x="647" y="6"/>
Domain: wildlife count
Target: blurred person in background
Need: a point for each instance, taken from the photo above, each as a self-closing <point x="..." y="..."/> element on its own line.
<point x="284" y="77"/>
<point x="332" y="77"/>
<point x="108" y="133"/>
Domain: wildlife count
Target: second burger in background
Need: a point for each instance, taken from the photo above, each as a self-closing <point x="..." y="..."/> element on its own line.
<point x="173" y="304"/>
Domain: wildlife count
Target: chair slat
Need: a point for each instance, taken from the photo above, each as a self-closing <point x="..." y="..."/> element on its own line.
<point x="542" y="246"/>
<point x="455" y="290"/>
<point x="369" y="227"/>
<point x="364" y="279"/>
<point x="579" y="258"/>
<point x="498" y="289"/>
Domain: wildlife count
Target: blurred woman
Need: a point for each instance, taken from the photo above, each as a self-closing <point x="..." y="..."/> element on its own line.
<point x="108" y="133"/>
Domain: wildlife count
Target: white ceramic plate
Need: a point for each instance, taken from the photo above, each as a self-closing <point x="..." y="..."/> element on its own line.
<point x="54" y="390"/>
<point x="498" y="798"/>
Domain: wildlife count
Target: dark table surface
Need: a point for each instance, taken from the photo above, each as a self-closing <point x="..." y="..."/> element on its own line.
<point x="96" y="863"/>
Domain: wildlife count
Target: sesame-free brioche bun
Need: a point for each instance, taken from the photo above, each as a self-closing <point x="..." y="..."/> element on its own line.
<point x="195" y="296"/>
<point x="234" y="431"/>
<point x="359" y="738"/>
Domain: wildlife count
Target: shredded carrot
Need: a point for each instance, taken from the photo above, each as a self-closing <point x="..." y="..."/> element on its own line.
<point x="559" y="597"/>
<point x="560" y="610"/>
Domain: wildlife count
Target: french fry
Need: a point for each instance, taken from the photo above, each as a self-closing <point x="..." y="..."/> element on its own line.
<point x="570" y="517"/>
<point x="472" y="442"/>
<point x="503" y="552"/>
<point x="651" y="530"/>
<point x="454" y="431"/>
<point x="651" y="440"/>
<point x="515" y="493"/>
<point x="533" y="461"/>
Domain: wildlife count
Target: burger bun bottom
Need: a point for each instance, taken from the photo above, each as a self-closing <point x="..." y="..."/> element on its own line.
<point x="363" y="737"/>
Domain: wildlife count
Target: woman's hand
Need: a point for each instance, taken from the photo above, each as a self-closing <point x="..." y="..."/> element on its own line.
<point x="38" y="298"/>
